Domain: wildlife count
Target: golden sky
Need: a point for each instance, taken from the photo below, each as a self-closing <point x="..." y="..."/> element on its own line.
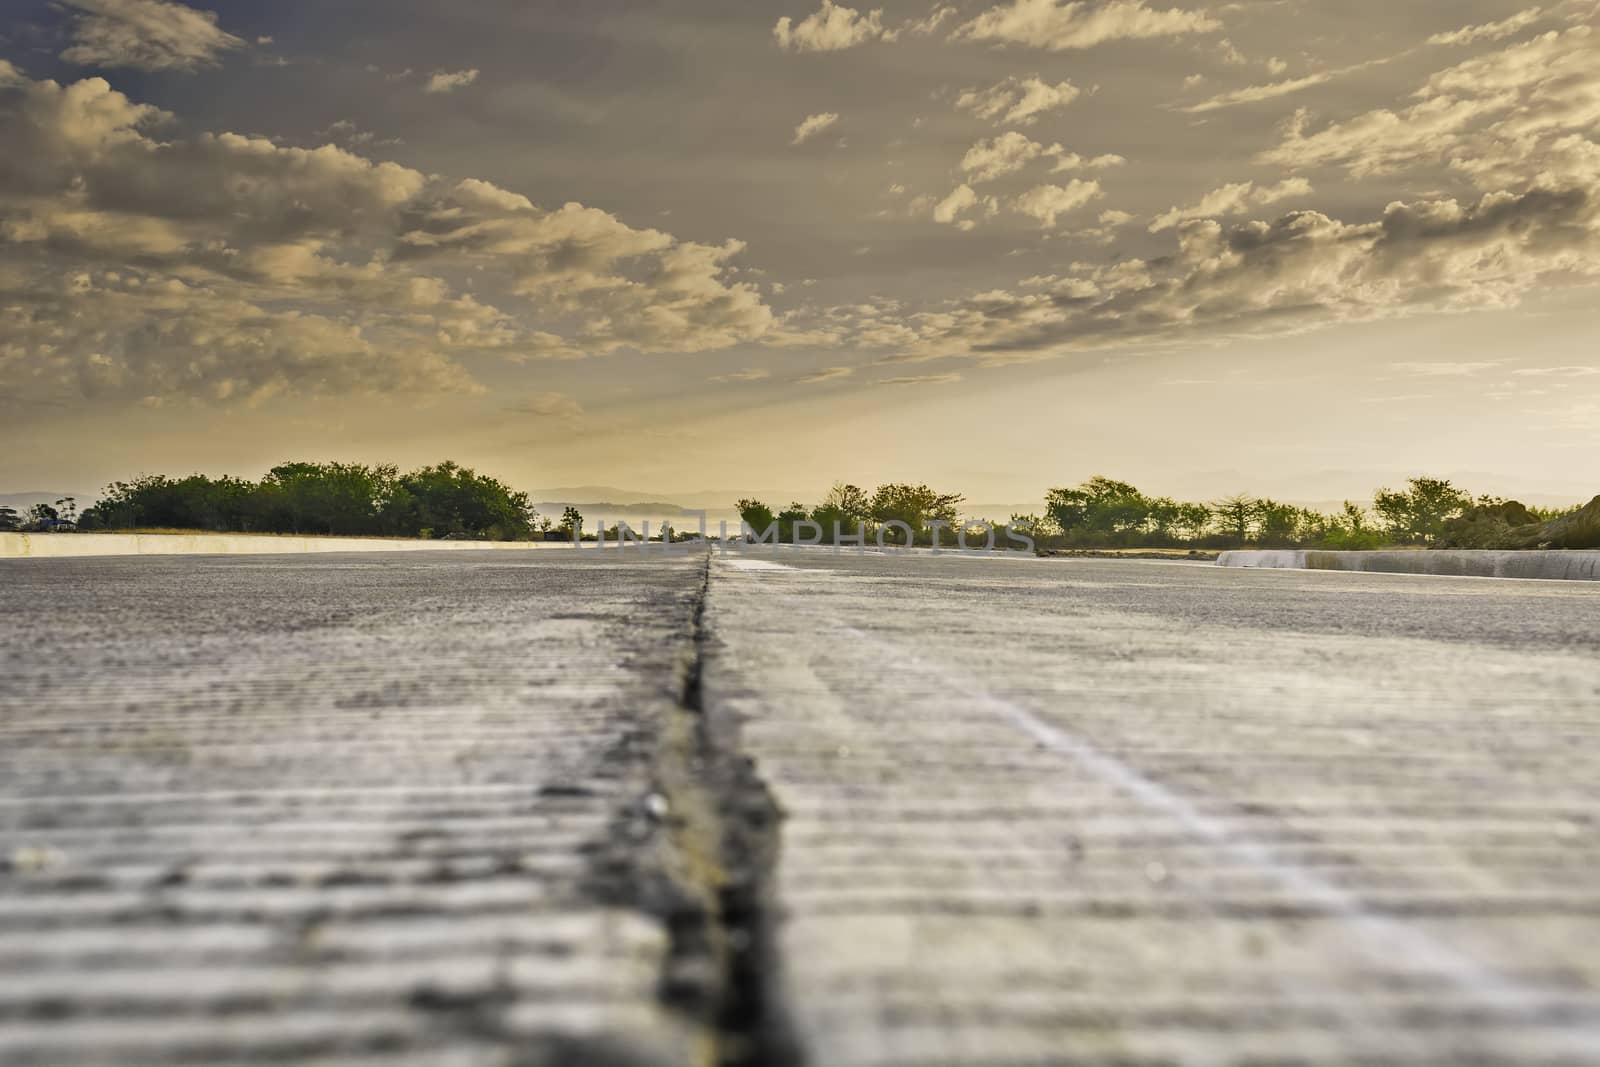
<point x="1285" y="246"/>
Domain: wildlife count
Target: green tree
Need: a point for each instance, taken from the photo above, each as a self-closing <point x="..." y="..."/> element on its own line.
<point x="1417" y="514"/>
<point x="40" y="517"/>
<point x="1193" y="522"/>
<point x="1350" y="530"/>
<point x="9" y="519"/>
<point x="787" y="518"/>
<point x="333" y="498"/>
<point x="459" y="501"/>
<point x="846" y="507"/>
<point x="914" y="505"/>
<point x="571" y="523"/>
<point x="756" y="516"/>
<point x="1278" y="525"/>
<point x="1104" y="509"/>
<point x="1236" y="515"/>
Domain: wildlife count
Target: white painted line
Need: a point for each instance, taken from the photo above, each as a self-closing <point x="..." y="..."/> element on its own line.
<point x="1394" y="938"/>
<point x="741" y="563"/>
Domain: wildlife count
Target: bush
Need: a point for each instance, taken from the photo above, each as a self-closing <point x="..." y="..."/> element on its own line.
<point x="342" y="499"/>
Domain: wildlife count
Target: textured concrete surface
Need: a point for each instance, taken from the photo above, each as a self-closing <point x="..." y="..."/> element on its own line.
<point x="1099" y="812"/>
<point x="59" y="546"/>
<point x="1452" y="563"/>
<point x="343" y="809"/>
<point x="482" y="809"/>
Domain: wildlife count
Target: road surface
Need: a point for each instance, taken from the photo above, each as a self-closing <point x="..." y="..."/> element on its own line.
<point x="770" y="808"/>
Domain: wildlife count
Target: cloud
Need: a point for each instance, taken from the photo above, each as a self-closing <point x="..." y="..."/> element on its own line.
<point x="920" y="379"/>
<point x="962" y="199"/>
<point x="445" y="81"/>
<point x="1232" y="200"/>
<point x="934" y="19"/>
<point x="826" y="374"/>
<point x="547" y="406"/>
<point x="623" y="287"/>
<point x="119" y="335"/>
<point x="812" y="125"/>
<point x="1300" y="272"/>
<point x="830" y="29"/>
<point x="1017" y="101"/>
<point x="1069" y="161"/>
<point x="1442" y="369"/>
<point x="1495" y="107"/>
<point x="959" y="200"/>
<point x="228" y="268"/>
<point x="1251" y="94"/>
<point x="1105" y="229"/>
<point x="1558" y="372"/>
<point x="1059" y="26"/>
<point x="749" y="374"/>
<point x="1045" y="202"/>
<point x="151" y="35"/>
<point x="996" y="157"/>
<point x="1489" y="31"/>
<point x="347" y="133"/>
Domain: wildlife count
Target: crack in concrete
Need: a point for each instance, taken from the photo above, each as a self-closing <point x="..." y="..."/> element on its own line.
<point x="697" y="852"/>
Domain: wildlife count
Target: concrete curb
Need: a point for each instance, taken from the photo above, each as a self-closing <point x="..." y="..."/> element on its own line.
<point x="57" y="546"/>
<point x="1551" y="565"/>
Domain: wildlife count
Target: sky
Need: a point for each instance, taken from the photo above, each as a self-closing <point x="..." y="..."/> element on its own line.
<point x="715" y="246"/>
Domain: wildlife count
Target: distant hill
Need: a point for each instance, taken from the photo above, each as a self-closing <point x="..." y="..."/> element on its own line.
<point x="569" y="494"/>
<point x="654" y="507"/>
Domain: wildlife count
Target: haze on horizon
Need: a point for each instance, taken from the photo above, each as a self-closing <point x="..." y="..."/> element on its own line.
<point x="995" y="245"/>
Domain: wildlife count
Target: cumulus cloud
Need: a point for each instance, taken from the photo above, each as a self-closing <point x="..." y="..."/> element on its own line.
<point x="996" y="157"/>
<point x="812" y="125"/>
<point x="961" y="200"/>
<point x="1232" y="199"/>
<point x="448" y="81"/>
<point x="1061" y="25"/>
<point x="1067" y="161"/>
<point x="932" y="21"/>
<point x="830" y="29"/>
<point x="1017" y="101"/>
<point x="1302" y="271"/>
<point x="153" y="35"/>
<point x="122" y="335"/>
<point x="1045" y="202"/>
<point x="227" y="267"/>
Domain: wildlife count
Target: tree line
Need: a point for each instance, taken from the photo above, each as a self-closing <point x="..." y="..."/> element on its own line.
<point x="850" y="511"/>
<point x="451" y="501"/>
<point x="342" y="499"/>
<point x="1106" y="513"/>
<point x="1103" y="512"/>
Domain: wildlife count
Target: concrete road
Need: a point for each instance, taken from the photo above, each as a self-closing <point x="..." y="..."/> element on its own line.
<point x="335" y="810"/>
<point x="766" y="808"/>
<point x="1087" y="812"/>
